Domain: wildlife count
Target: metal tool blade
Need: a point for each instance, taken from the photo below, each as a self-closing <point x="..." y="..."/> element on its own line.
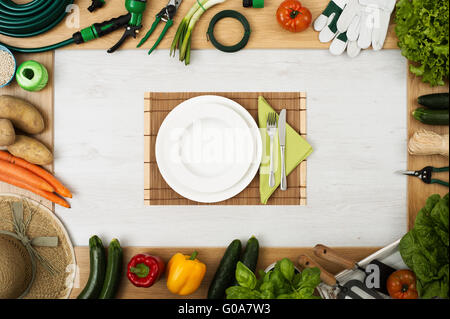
<point x="353" y="288"/>
<point x="175" y="3"/>
<point x="412" y="173"/>
<point x="282" y="128"/>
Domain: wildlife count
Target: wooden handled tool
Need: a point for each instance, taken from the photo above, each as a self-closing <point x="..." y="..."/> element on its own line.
<point x="307" y="262"/>
<point x="345" y="290"/>
<point x="329" y="254"/>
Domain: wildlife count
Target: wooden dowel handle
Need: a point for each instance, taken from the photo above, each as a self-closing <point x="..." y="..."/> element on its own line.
<point x="307" y="262"/>
<point x="330" y="255"/>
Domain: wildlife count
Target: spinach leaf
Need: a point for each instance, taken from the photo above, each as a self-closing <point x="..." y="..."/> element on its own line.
<point x="424" y="249"/>
<point x="408" y="248"/>
<point x="431" y="290"/>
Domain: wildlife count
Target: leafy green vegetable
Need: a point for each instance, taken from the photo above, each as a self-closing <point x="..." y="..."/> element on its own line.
<point x="245" y="277"/>
<point x="423" y="33"/>
<point x="425" y="248"/>
<point x="280" y="283"/>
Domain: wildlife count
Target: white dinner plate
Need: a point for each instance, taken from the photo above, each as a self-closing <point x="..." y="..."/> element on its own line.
<point x="191" y="144"/>
<point x="207" y="146"/>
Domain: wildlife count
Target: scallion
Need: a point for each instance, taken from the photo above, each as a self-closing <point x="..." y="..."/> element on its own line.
<point x="182" y="39"/>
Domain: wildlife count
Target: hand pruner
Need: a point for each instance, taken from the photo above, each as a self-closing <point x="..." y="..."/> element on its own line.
<point x="166" y="15"/>
<point x="425" y="175"/>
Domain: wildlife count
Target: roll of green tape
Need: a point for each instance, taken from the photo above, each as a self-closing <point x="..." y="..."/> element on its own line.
<point x="32" y="76"/>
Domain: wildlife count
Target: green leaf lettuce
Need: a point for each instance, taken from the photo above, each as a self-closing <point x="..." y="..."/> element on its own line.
<point x="423" y="33"/>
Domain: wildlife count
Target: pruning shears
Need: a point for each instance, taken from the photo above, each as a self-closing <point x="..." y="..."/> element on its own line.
<point x="425" y="174"/>
<point x="166" y="15"/>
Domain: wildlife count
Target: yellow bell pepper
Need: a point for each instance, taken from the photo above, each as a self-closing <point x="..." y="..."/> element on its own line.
<point x="185" y="274"/>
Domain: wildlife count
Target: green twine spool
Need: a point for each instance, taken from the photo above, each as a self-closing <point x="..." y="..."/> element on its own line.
<point x="32" y="76"/>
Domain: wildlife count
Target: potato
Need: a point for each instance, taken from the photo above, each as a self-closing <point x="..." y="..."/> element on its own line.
<point x="7" y="133"/>
<point x="31" y="150"/>
<point x="22" y="114"/>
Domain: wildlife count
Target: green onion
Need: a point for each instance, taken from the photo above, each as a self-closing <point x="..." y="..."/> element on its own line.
<point x="182" y="39"/>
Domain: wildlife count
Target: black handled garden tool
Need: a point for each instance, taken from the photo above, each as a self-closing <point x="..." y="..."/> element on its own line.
<point x="352" y="289"/>
<point x="96" y="4"/>
<point x="166" y="15"/>
<point x="425" y="174"/>
<point x="136" y="9"/>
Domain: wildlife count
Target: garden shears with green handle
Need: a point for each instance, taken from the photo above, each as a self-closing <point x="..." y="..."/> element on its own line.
<point x="166" y="15"/>
<point x="425" y="175"/>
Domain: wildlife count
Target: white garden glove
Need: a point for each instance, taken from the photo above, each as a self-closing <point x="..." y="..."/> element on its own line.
<point x="366" y="22"/>
<point x="326" y="24"/>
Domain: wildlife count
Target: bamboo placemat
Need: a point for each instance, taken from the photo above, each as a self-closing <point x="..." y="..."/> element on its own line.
<point x="158" y="105"/>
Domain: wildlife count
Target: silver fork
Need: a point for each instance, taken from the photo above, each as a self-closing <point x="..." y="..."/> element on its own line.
<point x="271" y="130"/>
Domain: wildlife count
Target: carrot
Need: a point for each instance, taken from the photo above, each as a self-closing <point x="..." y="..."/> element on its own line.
<point x="48" y="195"/>
<point x="49" y="178"/>
<point x="24" y="175"/>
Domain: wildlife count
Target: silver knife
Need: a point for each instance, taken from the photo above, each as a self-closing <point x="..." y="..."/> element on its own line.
<point x="282" y="140"/>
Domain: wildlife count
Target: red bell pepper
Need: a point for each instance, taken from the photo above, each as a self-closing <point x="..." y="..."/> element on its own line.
<point x="144" y="270"/>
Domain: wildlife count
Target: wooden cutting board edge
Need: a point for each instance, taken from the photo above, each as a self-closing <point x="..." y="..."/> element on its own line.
<point x="44" y="101"/>
<point x="211" y="257"/>
<point x="418" y="191"/>
<point x="265" y="34"/>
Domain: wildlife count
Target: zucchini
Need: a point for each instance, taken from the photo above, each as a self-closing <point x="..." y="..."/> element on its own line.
<point x="431" y="117"/>
<point x="113" y="271"/>
<point x="97" y="269"/>
<point x="226" y="271"/>
<point x="435" y="101"/>
<point x="250" y="256"/>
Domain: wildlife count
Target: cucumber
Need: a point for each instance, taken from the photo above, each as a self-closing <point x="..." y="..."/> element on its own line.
<point x="250" y="256"/>
<point x="226" y="271"/>
<point x="113" y="271"/>
<point x="436" y="101"/>
<point x="431" y="117"/>
<point x="97" y="269"/>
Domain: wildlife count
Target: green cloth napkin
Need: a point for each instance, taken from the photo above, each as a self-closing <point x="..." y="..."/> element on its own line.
<point x="297" y="149"/>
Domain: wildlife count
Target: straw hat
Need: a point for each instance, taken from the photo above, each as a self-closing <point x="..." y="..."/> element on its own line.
<point x="37" y="259"/>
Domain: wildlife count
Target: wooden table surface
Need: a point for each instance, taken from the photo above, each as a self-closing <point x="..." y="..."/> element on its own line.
<point x="43" y="101"/>
<point x="354" y="196"/>
<point x="266" y="33"/>
<point x="344" y="210"/>
<point x="211" y="257"/>
<point x="418" y="191"/>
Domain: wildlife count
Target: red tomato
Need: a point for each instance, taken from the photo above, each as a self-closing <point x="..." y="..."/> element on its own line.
<point x="293" y="17"/>
<point x="402" y="285"/>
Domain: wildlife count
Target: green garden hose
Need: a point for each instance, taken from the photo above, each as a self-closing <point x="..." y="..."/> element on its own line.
<point x="39" y="16"/>
<point x="31" y="19"/>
